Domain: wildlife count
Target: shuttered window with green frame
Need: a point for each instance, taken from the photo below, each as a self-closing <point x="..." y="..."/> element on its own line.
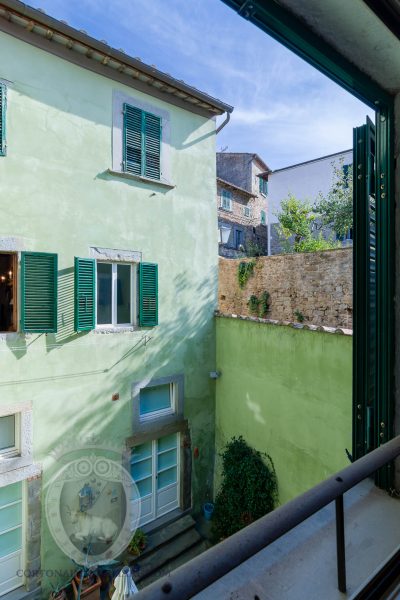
<point x="148" y="294"/>
<point x="38" y="292"/>
<point x="85" y="294"/>
<point x="3" y="106"/>
<point x="141" y="143"/>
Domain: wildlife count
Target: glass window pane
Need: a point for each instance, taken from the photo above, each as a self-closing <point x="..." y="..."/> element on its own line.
<point x="10" y="493"/>
<point x="167" y="442"/>
<point x="142" y="451"/>
<point x="123" y="294"/>
<point x="141" y="469"/>
<point x="144" y="487"/>
<point x="10" y="516"/>
<point x="155" y="398"/>
<point x="104" y="294"/>
<point x="10" y="542"/>
<point x="7" y="432"/>
<point x="168" y="459"/>
<point x="166" y="478"/>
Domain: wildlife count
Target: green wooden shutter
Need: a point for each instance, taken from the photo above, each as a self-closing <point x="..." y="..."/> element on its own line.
<point x="133" y="140"/>
<point x="148" y="295"/>
<point x="85" y="293"/>
<point x="38" y="292"/>
<point x="2" y="119"/>
<point x="152" y="145"/>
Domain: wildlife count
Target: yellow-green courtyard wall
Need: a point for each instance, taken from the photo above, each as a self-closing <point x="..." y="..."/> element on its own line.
<point x="288" y="393"/>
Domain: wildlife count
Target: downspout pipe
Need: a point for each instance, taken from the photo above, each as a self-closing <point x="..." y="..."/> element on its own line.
<point x="228" y="118"/>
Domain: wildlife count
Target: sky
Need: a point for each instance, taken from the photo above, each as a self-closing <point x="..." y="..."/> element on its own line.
<point x="284" y="109"/>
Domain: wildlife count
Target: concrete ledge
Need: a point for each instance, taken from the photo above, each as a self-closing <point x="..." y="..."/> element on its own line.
<point x="306" y="326"/>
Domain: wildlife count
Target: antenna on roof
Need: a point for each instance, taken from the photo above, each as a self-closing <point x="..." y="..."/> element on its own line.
<point x="224" y="149"/>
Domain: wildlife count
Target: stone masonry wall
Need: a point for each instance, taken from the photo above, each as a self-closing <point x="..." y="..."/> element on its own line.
<point x="317" y="285"/>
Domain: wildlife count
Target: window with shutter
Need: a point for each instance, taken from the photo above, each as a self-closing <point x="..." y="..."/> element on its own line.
<point x="85" y="293"/>
<point x="3" y="94"/>
<point x="148" y="295"/>
<point x="38" y="292"/>
<point x="142" y="142"/>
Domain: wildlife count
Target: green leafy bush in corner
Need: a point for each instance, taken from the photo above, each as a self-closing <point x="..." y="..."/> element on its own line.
<point x="253" y="304"/>
<point x="249" y="488"/>
<point x="245" y="270"/>
<point x="264" y="304"/>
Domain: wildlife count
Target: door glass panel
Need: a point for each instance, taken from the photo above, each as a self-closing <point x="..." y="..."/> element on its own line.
<point x="104" y="294"/>
<point x="166" y="478"/>
<point x="10" y="542"/>
<point x="142" y="469"/>
<point x="10" y="516"/>
<point x="153" y="399"/>
<point x="7" y="432"/>
<point x="10" y="493"/>
<point x="168" y="442"/>
<point x="123" y="294"/>
<point x="167" y="459"/>
<point x="142" y="451"/>
<point x="144" y="487"/>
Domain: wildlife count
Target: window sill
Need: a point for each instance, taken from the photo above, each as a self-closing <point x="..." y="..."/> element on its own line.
<point x="111" y="329"/>
<point x="161" y="182"/>
<point x="228" y="210"/>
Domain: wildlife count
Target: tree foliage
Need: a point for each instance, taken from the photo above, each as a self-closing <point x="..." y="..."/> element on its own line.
<point x="335" y="210"/>
<point x="298" y="220"/>
<point x="302" y="220"/>
<point x="249" y="488"/>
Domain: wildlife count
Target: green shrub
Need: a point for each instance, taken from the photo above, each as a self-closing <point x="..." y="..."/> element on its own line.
<point x="245" y="270"/>
<point x="253" y="303"/>
<point x="249" y="488"/>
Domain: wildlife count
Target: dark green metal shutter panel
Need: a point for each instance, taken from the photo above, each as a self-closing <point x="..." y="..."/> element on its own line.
<point x="133" y="130"/>
<point x="85" y="293"/>
<point x="365" y="333"/>
<point x="152" y="145"/>
<point x="2" y="120"/>
<point x="38" y="292"/>
<point x="148" y="295"/>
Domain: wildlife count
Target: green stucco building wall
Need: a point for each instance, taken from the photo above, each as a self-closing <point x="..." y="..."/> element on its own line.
<point x="288" y="393"/>
<point x="58" y="196"/>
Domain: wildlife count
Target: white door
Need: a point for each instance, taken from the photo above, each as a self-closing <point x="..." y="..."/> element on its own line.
<point x="10" y="537"/>
<point x="155" y="470"/>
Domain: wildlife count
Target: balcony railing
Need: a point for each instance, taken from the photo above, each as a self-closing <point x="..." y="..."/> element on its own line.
<point x="201" y="572"/>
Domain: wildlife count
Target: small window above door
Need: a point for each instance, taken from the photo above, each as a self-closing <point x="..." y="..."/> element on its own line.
<point x="156" y="401"/>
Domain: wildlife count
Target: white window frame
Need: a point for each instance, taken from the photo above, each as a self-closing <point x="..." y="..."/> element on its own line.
<point x="14" y="450"/>
<point x="247" y="212"/>
<point x="223" y="197"/>
<point x="114" y="323"/>
<point x="157" y="414"/>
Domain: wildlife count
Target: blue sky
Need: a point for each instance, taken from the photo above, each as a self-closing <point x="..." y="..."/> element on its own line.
<point x="285" y="110"/>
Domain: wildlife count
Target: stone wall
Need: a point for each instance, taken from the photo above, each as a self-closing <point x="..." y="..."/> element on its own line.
<point x="316" y="285"/>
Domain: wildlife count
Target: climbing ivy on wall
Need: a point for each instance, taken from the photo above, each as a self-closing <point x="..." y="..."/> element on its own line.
<point x="245" y="270"/>
<point x="249" y="488"/>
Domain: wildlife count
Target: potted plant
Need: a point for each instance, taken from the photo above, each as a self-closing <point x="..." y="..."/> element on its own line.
<point x="90" y="589"/>
<point x="137" y="543"/>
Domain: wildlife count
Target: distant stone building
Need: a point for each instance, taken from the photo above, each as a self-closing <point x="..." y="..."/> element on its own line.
<point x="305" y="181"/>
<point x="242" y="180"/>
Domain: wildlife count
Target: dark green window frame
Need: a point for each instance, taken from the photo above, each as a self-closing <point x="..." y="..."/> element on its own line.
<point x="282" y="25"/>
<point x="263" y="185"/>
<point x="142" y="138"/>
<point x="3" y="110"/>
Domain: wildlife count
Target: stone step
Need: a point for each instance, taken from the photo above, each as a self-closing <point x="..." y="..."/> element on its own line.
<point x="162" y="536"/>
<point x="175" y="563"/>
<point x="176" y="546"/>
